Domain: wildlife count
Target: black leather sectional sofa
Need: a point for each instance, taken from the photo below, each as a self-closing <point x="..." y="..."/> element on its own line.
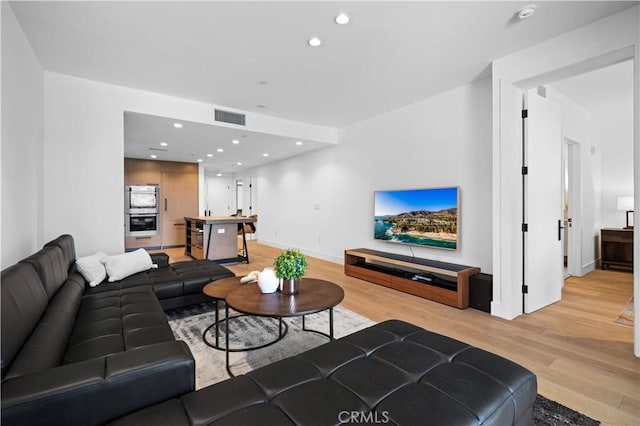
<point x="391" y="373"/>
<point x="76" y="355"/>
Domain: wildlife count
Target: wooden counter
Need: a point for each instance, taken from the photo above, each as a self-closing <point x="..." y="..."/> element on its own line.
<point x="216" y="238"/>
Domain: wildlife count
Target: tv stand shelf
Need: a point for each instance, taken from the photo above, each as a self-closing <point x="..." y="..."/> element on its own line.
<point x="442" y="282"/>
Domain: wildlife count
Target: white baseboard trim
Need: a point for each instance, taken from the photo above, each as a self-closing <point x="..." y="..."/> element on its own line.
<point x="309" y="252"/>
<point x="586" y="268"/>
<point x="497" y="311"/>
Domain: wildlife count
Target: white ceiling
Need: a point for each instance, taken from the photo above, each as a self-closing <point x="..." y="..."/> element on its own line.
<point x="603" y="92"/>
<point x="244" y="54"/>
<point x="144" y="134"/>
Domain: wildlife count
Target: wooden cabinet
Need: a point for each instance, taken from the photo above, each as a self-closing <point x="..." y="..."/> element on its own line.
<point x="141" y="172"/>
<point x="194" y="235"/>
<point x="145" y="241"/>
<point x="176" y="202"/>
<point x="616" y="248"/>
<point x="442" y="282"/>
<point x="178" y="198"/>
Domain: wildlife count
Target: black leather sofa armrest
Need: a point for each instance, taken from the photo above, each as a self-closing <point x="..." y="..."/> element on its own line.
<point x="160" y="259"/>
<point x="97" y="391"/>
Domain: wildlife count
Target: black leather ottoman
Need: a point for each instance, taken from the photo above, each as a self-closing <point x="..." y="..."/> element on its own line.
<point x="393" y="372"/>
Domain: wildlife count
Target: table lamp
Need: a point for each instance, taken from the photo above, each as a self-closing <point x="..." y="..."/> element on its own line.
<point x="626" y="204"/>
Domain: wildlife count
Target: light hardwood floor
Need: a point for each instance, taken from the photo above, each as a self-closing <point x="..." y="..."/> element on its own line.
<point x="581" y="357"/>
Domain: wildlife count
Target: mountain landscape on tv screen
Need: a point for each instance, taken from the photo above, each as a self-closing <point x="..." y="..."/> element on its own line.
<point x="422" y="227"/>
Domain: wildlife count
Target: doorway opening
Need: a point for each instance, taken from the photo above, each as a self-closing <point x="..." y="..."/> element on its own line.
<point x="239" y="196"/>
<point x="595" y="168"/>
<point x="570" y="207"/>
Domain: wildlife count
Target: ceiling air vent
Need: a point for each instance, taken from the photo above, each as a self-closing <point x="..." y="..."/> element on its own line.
<point x="230" y="117"/>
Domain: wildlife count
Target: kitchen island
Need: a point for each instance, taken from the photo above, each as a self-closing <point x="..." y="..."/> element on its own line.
<point x="216" y="238"/>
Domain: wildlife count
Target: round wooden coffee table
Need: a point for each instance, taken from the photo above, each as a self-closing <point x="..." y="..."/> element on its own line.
<point x="218" y="291"/>
<point x="314" y="295"/>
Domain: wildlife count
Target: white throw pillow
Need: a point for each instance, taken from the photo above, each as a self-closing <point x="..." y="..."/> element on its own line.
<point x="123" y="265"/>
<point x="92" y="269"/>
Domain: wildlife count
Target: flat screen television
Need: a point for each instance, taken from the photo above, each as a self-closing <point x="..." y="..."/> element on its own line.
<point x="424" y="217"/>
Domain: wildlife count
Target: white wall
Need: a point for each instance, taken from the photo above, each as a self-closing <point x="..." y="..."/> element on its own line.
<point x="22" y="142"/>
<point x="580" y="127"/>
<point x="322" y="202"/>
<point x="83" y="153"/>
<point x="617" y="163"/>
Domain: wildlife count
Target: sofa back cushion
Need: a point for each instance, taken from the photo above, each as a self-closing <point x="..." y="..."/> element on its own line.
<point x="24" y="300"/>
<point x="47" y="344"/>
<point x="51" y="266"/>
<point x="68" y="247"/>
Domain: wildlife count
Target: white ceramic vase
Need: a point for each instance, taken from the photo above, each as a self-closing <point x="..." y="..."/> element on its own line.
<point x="267" y="281"/>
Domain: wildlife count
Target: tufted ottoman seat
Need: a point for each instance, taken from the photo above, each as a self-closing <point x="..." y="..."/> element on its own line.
<point x="393" y="372"/>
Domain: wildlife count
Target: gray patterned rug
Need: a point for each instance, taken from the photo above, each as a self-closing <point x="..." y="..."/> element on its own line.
<point x="550" y="413"/>
<point x="189" y="323"/>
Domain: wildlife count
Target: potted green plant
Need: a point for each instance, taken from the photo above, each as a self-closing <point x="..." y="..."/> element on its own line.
<point x="290" y="265"/>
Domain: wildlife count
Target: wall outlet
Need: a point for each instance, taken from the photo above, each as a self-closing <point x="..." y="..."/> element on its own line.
<point x="221" y="231"/>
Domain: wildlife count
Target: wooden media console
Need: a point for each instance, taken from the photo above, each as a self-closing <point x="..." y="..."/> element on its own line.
<point x="442" y="282"/>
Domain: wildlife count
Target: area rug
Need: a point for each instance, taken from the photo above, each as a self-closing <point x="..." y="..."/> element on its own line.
<point x="188" y="324"/>
<point x="550" y="413"/>
<point x="626" y="315"/>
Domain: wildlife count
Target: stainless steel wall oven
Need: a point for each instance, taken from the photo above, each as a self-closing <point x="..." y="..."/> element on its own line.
<point x="142" y="224"/>
<point x="141" y="208"/>
<point x="142" y="198"/>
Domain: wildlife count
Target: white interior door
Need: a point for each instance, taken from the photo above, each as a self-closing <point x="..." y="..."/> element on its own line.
<point x="218" y="196"/>
<point x="543" y="202"/>
<point x="249" y="196"/>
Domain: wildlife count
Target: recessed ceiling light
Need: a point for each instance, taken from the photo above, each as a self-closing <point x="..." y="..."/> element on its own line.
<point x="261" y="106"/>
<point x="153" y="156"/>
<point x="220" y="150"/>
<point x="218" y="174"/>
<point x="342" y="19"/>
<point x="526" y="11"/>
<point x="235" y="141"/>
<point x="177" y="125"/>
<point x="265" y="155"/>
<point x="238" y="164"/>
<point x="314" y="42"/>
<point x="163" y="144"/>
<point x="209" y="155"/>
<point x="298" y="143"/>
<point x="199" y="160"/>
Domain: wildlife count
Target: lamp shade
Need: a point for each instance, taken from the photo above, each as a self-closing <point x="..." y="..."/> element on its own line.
<point x="625" y="203"/>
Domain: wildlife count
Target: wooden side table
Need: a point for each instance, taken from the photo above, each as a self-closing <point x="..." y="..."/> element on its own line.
<point x="616" y="248"/>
